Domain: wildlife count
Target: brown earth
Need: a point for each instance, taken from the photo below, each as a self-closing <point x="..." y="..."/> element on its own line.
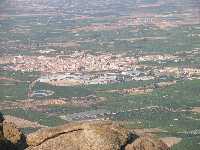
<point x="196" y="109"/>
<point x="22" y="123"/>
<point x="170" y="141"/>
<point x="38" y="105"/>
<point x="9" y="79"/>
<point x="131" y="91"/>
<point x="30" y="103"/>
<point x="148" y="130"/>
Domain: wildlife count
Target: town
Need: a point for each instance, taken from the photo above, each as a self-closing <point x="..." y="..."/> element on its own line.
<point x="81" y="68"/>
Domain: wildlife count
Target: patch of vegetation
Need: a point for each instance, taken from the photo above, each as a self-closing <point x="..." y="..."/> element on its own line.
<point x="63" y="91"/>
<point x="17" y="91"/>
<point x="18" y="75"/>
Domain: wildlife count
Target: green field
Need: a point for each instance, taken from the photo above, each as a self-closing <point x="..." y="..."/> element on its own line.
<point x="133" y="109"/>
<point x="107" y="26"/>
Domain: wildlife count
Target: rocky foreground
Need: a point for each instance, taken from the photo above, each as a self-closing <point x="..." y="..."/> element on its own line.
<point x="76" y="136"/>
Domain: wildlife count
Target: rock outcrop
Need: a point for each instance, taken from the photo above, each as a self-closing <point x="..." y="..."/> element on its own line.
<point x="11" y="138"/>
<point x="1" y="128"/>
<point x="76" y="136"/>
<point x="91" y="136"/>
<point x="146" y="143"/>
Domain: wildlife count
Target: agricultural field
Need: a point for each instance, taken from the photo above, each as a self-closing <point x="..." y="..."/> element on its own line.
<point x="135" y="62"/>
<point x="170" y="109"/>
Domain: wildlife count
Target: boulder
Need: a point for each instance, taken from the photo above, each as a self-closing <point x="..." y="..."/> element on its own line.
<point x="12" y="133"/>
<point x="1" y="128"/>
<point x="93" y="135"/>
<point x="85" y="136"/>
<point x="90" y="136"/>
<point x="11" y="138"/>
<point x="147" y="143"/>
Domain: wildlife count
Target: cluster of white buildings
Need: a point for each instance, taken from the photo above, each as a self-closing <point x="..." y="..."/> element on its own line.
<point x="158" y="57"/>
<point x="72" y="63"/>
